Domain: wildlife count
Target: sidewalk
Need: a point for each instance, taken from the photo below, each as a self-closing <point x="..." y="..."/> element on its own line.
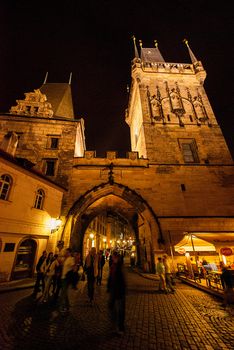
<point x="17" y="285"/>
<point x="192" y="283"/>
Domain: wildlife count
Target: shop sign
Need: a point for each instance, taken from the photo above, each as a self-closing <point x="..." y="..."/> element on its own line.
<point x="181" y="250"/>
<point x="226" y="251"/>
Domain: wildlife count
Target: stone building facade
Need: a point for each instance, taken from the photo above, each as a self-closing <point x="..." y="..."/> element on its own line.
<point x="29" y="204"/>
<point x="177" y="179"/>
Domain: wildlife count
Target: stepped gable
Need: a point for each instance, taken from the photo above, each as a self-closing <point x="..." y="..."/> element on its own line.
<point x="60" y="97"/>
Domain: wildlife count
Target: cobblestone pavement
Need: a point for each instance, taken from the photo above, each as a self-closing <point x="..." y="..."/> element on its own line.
<point x="188" y="319"/>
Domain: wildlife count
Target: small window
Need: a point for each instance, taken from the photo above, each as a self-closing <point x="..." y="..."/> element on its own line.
<point x="28" y="108"/>
<point x="36" y="109"/>
<point x="189" y="150"/>
<point x="191" y="118"/>
<point x="54" y="141"/>
<point x="50" y="167"/>
<point x="5" y="186"/>
<point x="168" y="118"/>
<point x="9" y="247"/>
<point x="39" y="201"/>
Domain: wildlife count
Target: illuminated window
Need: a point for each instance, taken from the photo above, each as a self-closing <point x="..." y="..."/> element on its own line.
<point x="5" y="186"/>
<point x="189" y="150"/>
<point x="39" y="201"/>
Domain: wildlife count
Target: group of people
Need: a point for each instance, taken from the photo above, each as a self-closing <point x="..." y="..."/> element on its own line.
<point x="163" y="269"/>
<point x="57" y="273"/>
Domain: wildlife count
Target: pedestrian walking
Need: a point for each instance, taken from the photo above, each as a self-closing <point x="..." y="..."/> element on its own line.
<point x="101" y="263"/>
<point x="168" y="275"/>
<point x="49" y="267"/>
<point x="160" y="269"/>
<point x="116" y="286"/>
<point x="40" y="275"/>
<point x="91" y="269"/>
<point x="76" y="276"/>
<point x="67" y="267"/>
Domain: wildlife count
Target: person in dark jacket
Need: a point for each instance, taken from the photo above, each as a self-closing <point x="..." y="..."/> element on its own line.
<point x="116" y="286"/>
<point x="40" y="275"/>
<point x="101" y="263"/>
<point x="227" y="280"/>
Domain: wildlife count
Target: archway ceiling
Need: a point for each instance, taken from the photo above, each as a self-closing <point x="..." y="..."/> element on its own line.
<point x="111" y="203"/>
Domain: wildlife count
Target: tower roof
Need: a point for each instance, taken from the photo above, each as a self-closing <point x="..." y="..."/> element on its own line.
<point x="151" y="55"/>
<point x="60" y="97"/>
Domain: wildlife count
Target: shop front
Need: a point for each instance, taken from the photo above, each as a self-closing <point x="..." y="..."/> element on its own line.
<point x="201" y="256"/>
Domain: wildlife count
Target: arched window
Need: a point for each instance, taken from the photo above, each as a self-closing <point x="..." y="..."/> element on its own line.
<point x="5" y="186"/>
<point x="39" y="201"/>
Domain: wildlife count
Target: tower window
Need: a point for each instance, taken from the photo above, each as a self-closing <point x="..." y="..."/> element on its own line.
<point x="39" y="201"/>
<point x="189" y="150"/>
<point x="191" y="118"/>
<point x="168" y="118"/>
<point x="54" y="141"/>
<point x="5" y="186"/>
<point x="50" y="165"/>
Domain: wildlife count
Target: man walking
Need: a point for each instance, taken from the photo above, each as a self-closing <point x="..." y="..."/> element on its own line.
<point x="161" y="272"/>
<point x="169" y="285"/>
<point x="67" y="267"/>
<point x="40" y="275"/>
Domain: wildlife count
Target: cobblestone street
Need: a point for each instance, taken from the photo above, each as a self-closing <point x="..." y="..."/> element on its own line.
<point x="188" y="319"/>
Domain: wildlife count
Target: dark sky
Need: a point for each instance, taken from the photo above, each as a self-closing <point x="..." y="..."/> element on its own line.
<point x="92" y="39"/>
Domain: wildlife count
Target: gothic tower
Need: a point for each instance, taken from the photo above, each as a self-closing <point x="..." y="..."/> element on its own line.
<point x="171" y="120"/>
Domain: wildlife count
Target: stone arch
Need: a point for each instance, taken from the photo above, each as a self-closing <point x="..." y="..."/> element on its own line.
<point x="123" y="201"/>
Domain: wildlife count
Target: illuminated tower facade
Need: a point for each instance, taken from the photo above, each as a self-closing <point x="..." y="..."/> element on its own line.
<point x="170" y="117"/>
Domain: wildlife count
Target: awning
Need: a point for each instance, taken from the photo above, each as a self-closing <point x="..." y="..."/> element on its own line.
<point x="190" y="244"/>
<point x="224" y="238"/>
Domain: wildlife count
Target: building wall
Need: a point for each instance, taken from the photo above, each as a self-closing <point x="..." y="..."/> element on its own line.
<point x="34" y="142"/>
<point x="19" y="220"/>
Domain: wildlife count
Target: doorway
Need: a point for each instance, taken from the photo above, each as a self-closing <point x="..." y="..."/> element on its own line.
<point x="25" y="258"/>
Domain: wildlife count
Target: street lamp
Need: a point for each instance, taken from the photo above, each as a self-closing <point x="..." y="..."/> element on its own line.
<point x="55" y="224"/>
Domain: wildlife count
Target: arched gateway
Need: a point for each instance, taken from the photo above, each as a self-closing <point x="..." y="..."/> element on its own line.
<point x="124" y="202"/>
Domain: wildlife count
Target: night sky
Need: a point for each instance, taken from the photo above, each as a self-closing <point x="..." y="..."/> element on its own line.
<point x="92" y="39"/>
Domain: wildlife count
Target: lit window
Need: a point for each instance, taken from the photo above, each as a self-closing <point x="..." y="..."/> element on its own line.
<point x="5" y="185"/>
<point x="39" y="201"/>
<point x="189" y="150"/>
<point x="50" y="167"/>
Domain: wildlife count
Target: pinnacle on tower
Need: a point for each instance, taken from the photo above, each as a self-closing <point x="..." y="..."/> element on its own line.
<point x="135" y="47"/>
<point x="46" y="76"/>
<point x="191" y="54"/>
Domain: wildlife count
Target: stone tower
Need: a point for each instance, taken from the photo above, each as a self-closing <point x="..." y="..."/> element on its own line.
<point x="171" y="120"/>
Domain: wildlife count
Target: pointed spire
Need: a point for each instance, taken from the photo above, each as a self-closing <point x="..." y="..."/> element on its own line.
<point x="191" y="54"/>
<point x="45" y="80"/>
<point x="140" y="42"/>
<point x="135" y="47"/>
<point x="70" y="79"/>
